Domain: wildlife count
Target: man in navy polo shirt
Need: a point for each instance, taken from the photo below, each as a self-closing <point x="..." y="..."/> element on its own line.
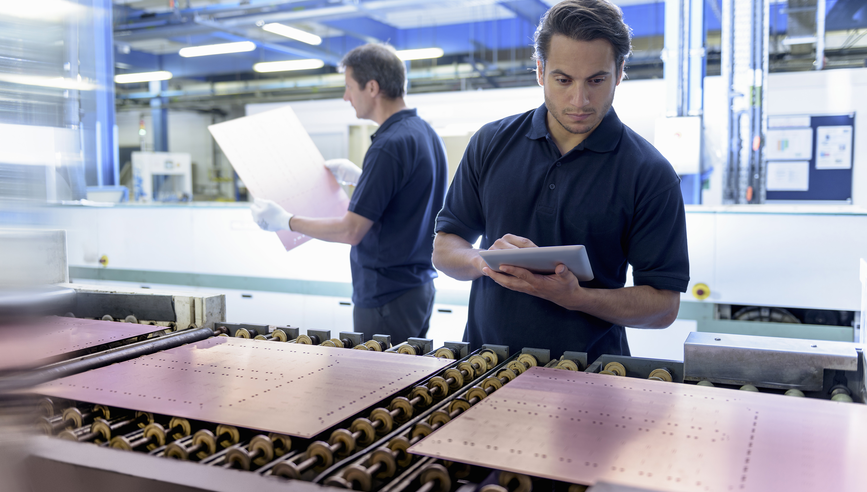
<point x="391" y="215"/>
<point x="568" y="172"/>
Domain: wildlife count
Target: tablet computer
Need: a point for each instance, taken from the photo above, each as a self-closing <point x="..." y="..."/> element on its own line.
<point x="542" y="260"/>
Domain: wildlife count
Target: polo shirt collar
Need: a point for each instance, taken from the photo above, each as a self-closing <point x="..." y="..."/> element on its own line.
<point x="400" y="115"/>
<point x="604" y="138"/>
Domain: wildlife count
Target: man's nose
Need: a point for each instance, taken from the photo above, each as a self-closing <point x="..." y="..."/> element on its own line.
<point x="578" y="97"/>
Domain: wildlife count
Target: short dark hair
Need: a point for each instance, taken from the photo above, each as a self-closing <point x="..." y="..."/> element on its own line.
<point x="584" y="20"/>
<point x="377" y="62"/>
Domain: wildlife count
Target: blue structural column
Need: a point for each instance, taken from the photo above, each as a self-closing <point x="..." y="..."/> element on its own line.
<point x="106" y="145"/>
<point x="159" y="117"/>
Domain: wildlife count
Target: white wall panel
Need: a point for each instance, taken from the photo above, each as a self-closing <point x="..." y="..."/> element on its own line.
<point x="701" y="238"/>
<point x="771" y="255"/>
<point x="228" y="242"/>
<point x="140" y="238"/>
<point x="82" y="233"/>
<point x="795" y="260"/>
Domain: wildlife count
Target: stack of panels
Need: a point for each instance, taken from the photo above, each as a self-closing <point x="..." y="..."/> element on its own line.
<point x="293" y="389"/>
<point x="586" y="428"/>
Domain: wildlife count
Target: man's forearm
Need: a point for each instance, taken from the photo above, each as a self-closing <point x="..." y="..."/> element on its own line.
<point x="455" y="257"/>
<point x="347" y="230"/>
<point x="636" y="307"/>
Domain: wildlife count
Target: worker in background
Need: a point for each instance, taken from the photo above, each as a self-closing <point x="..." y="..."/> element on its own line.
<point x="391" y="215"/>
<point x="568" y="172"/>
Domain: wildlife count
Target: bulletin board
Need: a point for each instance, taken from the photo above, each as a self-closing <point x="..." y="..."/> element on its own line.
<point x="810" y="158"/>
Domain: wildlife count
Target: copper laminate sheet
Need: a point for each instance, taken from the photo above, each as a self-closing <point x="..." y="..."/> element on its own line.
<point x="583" y="428"/>
<point x="276" y="158"/>
<point x="44" y="340"/>
<point x="299" y="390"/>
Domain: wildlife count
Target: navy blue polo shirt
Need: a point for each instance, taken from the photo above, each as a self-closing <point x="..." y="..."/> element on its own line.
<point x="401" y="189"/>
<point x="613" y="193"/>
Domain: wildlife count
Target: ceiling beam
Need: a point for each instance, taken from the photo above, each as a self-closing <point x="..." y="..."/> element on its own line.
<point x="842" y="15"/>
<point x="365" y="29"/>
<point x="529" y="10"/>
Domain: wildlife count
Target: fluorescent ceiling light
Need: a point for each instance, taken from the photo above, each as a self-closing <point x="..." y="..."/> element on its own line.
<point x="420" y="54"/>
<point x="77" y="84"/>
<point x="285" y="66"/>
<point x="52" y="10"/>
<point x="132" y="78"/>
<point x="291" y="32"/>
<point x="217" y="49"/>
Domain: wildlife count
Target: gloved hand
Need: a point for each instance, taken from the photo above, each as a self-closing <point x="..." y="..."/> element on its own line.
<point x="270" y="216"/>
<point x="344" y="171"/>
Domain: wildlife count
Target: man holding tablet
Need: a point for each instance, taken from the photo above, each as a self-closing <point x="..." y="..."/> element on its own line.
<point x="568" y="173"/>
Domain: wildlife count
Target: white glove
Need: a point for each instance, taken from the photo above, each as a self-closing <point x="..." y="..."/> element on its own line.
<point x="270" y="216"/>
<point x="344" y="171"/>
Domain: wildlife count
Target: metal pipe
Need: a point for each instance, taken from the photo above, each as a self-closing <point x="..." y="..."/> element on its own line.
<point x="93" y="361"/>
<point x="820" y="34"/>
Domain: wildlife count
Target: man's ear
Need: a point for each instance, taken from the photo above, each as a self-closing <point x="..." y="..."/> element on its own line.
<point x="621" y="72"/>
<point x="372" y="87"/>
<point x="540" y="73"/>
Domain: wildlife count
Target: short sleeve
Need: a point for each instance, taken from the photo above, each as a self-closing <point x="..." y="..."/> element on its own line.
<point x="462" y="213"/>
<point x="658" y="242"/>
<point x="380" y="180"/>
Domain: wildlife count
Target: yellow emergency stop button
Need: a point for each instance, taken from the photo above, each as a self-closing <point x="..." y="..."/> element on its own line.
<point x="701" y="291"/>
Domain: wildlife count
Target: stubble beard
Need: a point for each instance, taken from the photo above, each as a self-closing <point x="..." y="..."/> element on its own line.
<point x="581" y="128"/>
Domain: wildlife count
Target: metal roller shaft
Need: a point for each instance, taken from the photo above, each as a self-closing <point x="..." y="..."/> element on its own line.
<point x="160" y="451"/>
<point x="111" y="356"/>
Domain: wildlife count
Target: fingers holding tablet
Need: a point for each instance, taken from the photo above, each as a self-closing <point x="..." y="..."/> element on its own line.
<point x="542" y="260"/>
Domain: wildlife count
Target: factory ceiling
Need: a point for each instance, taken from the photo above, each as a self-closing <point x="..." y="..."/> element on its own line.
<point x="484" y="43"/>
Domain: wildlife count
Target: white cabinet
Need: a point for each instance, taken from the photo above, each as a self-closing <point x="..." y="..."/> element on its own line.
<point x="327" y="313"/>
<point x="303" y="311"/>
<point x="263" y="308"/>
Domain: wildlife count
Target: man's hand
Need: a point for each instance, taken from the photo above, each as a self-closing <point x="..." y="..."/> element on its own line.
<point x="270" y="216"/>
<point x="511" y="241"/>
<point x="344" y="171"/>
<point x="639" y="307"/>
<point x="559" y="287"/>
